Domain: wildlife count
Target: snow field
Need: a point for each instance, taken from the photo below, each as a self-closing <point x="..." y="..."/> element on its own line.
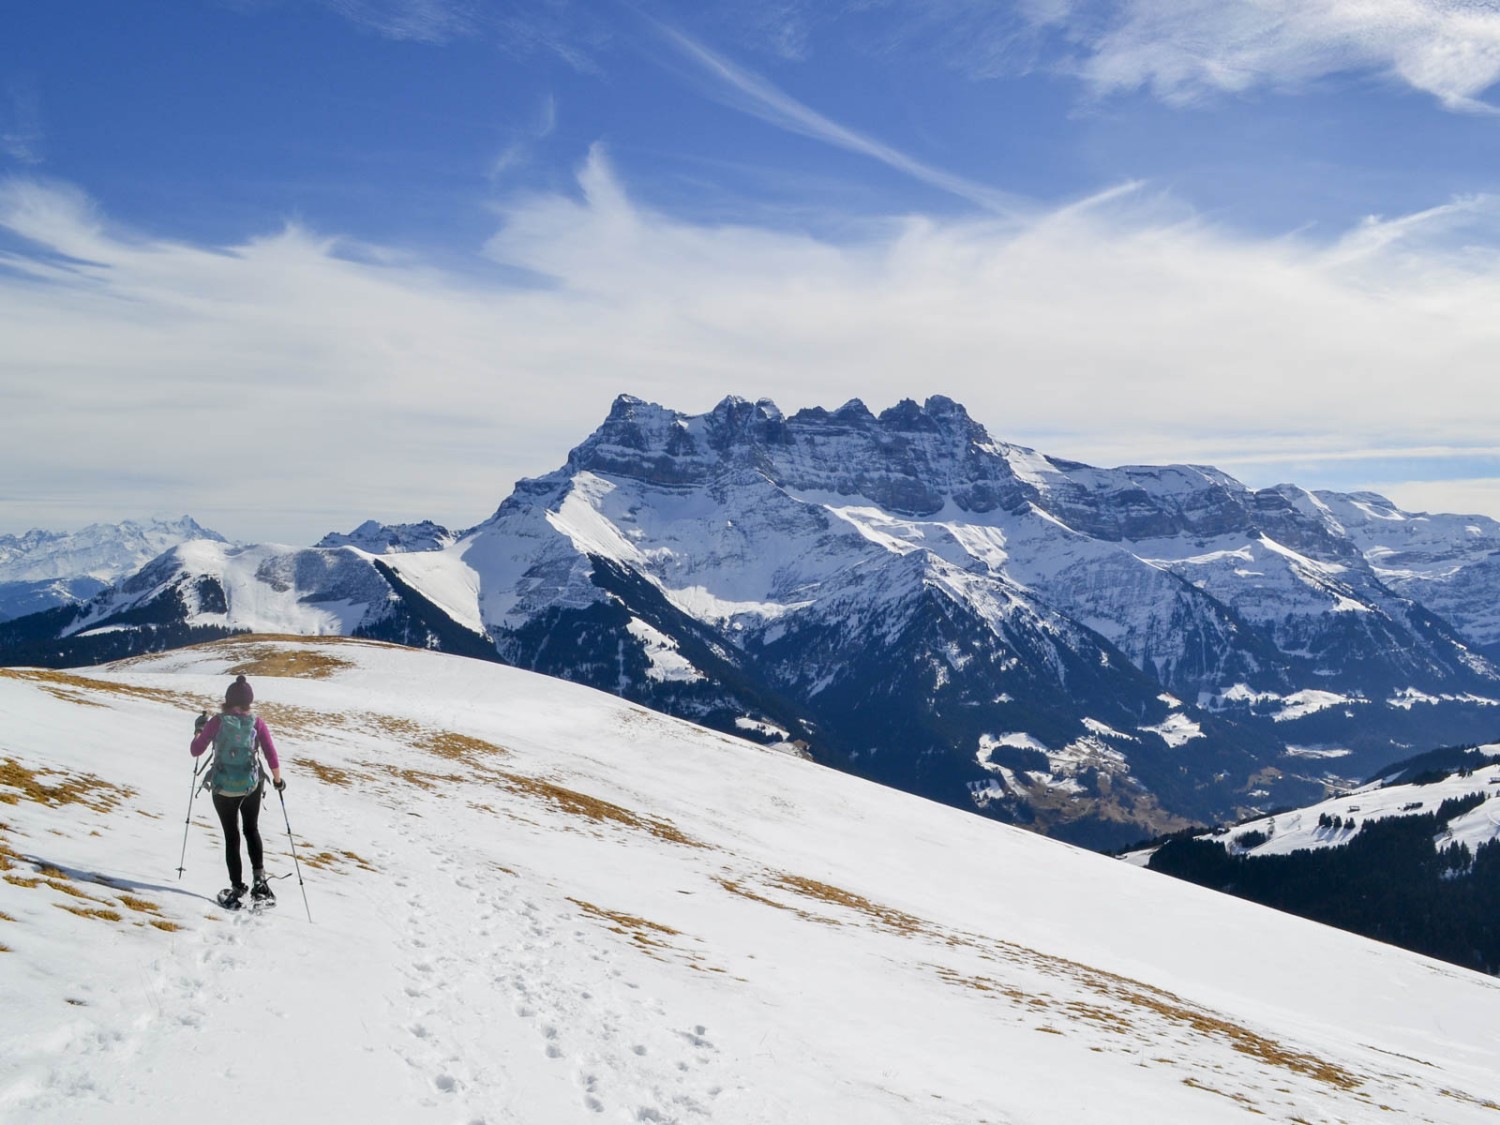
<point x="536" y="903"/>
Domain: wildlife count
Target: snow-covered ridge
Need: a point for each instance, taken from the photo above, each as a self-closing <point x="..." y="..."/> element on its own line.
<point x="43" y="569"/>
<point x="532" y="901"/>
<point x="382" y="539"/>
<point x="1309" y="828"/>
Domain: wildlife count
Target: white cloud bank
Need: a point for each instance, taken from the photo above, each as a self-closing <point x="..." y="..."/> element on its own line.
<point x="297" y="383"/>
<point x="1183" y="48"/>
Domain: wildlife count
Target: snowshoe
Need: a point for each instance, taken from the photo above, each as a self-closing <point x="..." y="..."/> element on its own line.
<point x="261" y="895"/>
<point x="230" y="897"/>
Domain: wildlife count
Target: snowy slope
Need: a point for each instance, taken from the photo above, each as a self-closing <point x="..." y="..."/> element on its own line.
<point x="535" y="903"/>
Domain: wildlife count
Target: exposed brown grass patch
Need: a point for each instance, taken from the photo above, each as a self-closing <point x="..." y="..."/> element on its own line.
<point x="328" y="775"/>
<point x="641" y="931"/>
<point x="406" y="730"/>
<point x="164" y="924"/>
<point x="333" y="860"/>
<point x="1239" y="1038"/>
<point x="735" y="887"/>
<point x="68" y="685"/>
<point x="884" y="917"/>
<point x="1243" y="1099"/>
<point x="101" y="913"/>
<point x="592" y="808"/>
<point x="22" y="783"/>
<point x="4" y="917"/>
<point x="985" y="984"/>
<point x="284" y="718"/>
<point x="1469" y="1099"/>
<point x="139" y="905"/>
<point x="421" y="779"/>
<point x="286" y="663"/>
<point x="460" y="747"/>
<point x="69" y="889"/>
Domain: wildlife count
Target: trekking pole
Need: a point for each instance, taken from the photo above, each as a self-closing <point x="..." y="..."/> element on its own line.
<point x="291" y="840"/>
<point x="192" y="796"/>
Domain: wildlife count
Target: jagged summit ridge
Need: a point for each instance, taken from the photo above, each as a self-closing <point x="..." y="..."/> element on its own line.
<point x="910" y="458"/>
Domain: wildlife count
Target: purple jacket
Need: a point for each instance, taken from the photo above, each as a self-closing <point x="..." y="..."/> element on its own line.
<point x="263" y="741"/>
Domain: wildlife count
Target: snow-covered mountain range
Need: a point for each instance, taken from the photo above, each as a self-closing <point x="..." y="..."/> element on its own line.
<point x="43" y="569"/>
<point x="533" y="902"/>
<point x="1101" y="653"/>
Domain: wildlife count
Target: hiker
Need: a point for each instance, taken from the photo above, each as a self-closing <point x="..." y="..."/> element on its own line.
<point x="236" y="735"/>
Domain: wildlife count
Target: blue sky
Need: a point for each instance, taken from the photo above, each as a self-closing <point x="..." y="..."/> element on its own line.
<point x="289" y="264"/>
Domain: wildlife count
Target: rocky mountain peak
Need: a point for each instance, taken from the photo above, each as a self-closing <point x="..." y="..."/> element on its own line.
<point x="911" y="458"/>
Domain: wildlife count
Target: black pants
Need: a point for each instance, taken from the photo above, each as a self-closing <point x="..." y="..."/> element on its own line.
<point x="232" y="812"/>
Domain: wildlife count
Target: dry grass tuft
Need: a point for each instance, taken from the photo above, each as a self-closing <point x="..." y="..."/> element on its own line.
<point x="163" y="924"/>
<point x="735" y="887"/>
<point x="651" y="938"/>
<point x="421" y="779"/>
<point x="333" y="860"/>
<point x="460" y="747"/>
<point x="1469" y="1099"/>
<point x="894" y="921"/>
<point x="139" y="905"/>
<point x="284" y="718"/>
<point x="87" y="912"/>
<point x="21" y="783"/>
<point x="328" y="775"/>
<point x="69" y="685"/>
<point x="592" y="808"/>
<point x="4" y="917"/>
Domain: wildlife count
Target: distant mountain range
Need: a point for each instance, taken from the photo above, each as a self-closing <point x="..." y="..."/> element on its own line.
<point x="1098" y="653"/>
<point x="44" y="569"/>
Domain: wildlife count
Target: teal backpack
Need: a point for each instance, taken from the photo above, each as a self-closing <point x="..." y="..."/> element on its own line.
<point x="236" y="768"/>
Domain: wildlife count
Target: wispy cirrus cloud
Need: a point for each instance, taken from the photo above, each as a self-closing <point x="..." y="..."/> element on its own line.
<point x="1123" y="331"/>
<point x="519" y="27"/>
<point x="746" y="90"/>
<point x="518" y="151"/>
<point x="422" y="21"/>
<point x="21" y="128"/>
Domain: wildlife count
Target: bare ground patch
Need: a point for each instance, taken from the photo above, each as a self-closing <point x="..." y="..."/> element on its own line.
<point x="334" y="860"/>
<point x="654" y="939"/>
<point x="76" y="689"/>
<point x="22" y="783"/>
<point x="298" y="663"/>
